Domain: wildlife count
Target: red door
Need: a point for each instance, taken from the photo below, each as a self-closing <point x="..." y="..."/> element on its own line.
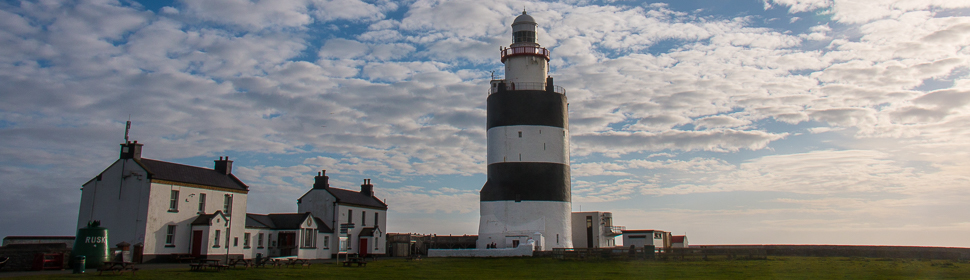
<point x="196" y="243"/>
<point x="363" y="247"/>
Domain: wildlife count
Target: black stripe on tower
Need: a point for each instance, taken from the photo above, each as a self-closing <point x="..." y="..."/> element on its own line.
<point x="527" y="107"/>
<point x="518" y="181"/>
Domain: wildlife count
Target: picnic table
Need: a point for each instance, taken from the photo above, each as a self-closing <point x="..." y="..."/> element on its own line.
<point x="281" y="261"/>
<point x="244" y="262"/>
<point x="202" y="264"/>
<point x="303" y="262"/>
<point x="355" y="260"/>
<point x="118" y="267"/>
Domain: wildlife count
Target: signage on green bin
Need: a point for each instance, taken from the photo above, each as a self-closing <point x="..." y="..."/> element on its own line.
<point x="92" y="242"/>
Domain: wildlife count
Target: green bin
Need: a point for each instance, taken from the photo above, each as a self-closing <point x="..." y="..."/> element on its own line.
<point x="92" y="242"/>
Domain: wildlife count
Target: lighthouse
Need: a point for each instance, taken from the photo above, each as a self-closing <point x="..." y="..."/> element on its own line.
<point x="527" y="194"/>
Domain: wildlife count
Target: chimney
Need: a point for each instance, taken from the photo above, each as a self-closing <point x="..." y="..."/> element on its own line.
<point x="131" y="150"/>
<point x="321" y="181"/>
<point x="224" y="166"/>
<point x="366" y="188"/>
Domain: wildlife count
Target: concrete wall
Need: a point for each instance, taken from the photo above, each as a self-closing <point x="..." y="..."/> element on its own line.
<point x="504" y="218"/>
<point x="524" y="250"/>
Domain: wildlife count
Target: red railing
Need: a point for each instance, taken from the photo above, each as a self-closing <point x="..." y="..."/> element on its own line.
<point x="525" y="50"/>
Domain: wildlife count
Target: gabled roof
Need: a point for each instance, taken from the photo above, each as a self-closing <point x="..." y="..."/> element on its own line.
<point x="192" y="175"/>
<point x="356" y="198"/>
<point x="678" y="238"/>
<point x="321" y="226"/>
<point x="258" y="221"/>
<point x="367" y="231"/>
<point x="206" y="219"/>
<point x="278" y="221"/>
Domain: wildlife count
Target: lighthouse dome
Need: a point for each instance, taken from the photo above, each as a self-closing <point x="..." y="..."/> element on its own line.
<point x="523" y="18"/>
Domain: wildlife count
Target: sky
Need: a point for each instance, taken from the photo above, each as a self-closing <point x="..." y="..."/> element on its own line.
<point x="733" y="122"/>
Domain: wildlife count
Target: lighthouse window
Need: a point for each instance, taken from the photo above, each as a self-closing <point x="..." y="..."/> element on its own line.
<point x="524" y="36"/>
<point x="543" y="146"/>
<point x="520" y="157"/>
<point x="520" y="134"/>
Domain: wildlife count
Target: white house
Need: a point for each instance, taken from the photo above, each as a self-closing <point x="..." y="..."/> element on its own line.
<point x="594" y="230"/>
<point x="290" y="234"/>
<point x="164" y="208"/>
<point x="638" y="238"/>
<point x="362" y="214"/>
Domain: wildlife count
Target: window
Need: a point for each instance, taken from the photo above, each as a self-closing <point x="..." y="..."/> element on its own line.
<point x="216" y="240"/>
<point x="326" y="242"/>
<point x="235" y="242"/>
<point x="520" y="134"/>
<point x="170" y="236"/>
<point x="259" y="241"/>
<point x="271" y="243"/>
<point x="309" y="238"/>
<point x="227" y="205"/>
<point x="376" y="243"/>
<point x="202" y="203"/>
<point x="349" y="238"/>
<point x="363" y="218"/>
<point x="246" y="240"/>
<point x="350" y="216"/>
<point x="376" y="223"/>
<point x="523" y="36"/>
<point x="173" y="203"/>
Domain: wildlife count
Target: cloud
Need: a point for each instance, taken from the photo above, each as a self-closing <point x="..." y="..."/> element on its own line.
<point x="618" y="143"/>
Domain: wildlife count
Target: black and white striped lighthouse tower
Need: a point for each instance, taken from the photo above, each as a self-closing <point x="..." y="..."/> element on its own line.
<point x="527" y="195"/>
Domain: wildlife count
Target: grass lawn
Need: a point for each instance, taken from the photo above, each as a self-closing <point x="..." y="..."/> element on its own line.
<point x="547" y="268"/>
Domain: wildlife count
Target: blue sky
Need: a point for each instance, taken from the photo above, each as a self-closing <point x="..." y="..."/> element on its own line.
<point x="735" y="122"/>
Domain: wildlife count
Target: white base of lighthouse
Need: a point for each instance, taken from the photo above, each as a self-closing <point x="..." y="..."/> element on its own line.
<point x="508" y="222"/>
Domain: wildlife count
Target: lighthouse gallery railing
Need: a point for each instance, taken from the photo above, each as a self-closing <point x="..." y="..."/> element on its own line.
<point x="527" y="86"/>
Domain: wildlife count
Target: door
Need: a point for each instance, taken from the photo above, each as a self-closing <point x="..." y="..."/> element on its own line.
<point x="589" y="232"/>
<point x="196" y="243"/>
<point x="363" y="247"/>
<point x="287" y="242"/>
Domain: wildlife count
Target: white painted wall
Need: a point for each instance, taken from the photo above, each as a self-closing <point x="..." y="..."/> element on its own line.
<point x="320" y="203"/>
<point x="140" y="213"/>
<point x="505" y="218"/>
<point x="601" y="220"/>
<point x="537" y="144"/>
<point x="160" y="216"/>
<point x="342" y="212"/>
<point x="119" y="201"/>
<point x="525" y="249"/>
<point x="526" y="68"/>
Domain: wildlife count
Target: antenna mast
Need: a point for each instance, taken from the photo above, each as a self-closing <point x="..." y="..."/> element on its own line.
<point x="127" y="128"/>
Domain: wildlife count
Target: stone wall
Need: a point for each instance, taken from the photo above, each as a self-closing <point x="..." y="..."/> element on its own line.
<point x="22" y="255"/>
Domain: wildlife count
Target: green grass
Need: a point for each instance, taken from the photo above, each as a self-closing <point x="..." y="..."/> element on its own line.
<point x="547" y="268"/>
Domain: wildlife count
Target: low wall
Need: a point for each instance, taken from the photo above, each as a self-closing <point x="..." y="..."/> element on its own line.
<point x="524" y="250"/>
<point x="896" y="252"/>
<point x="22" y="255"/>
